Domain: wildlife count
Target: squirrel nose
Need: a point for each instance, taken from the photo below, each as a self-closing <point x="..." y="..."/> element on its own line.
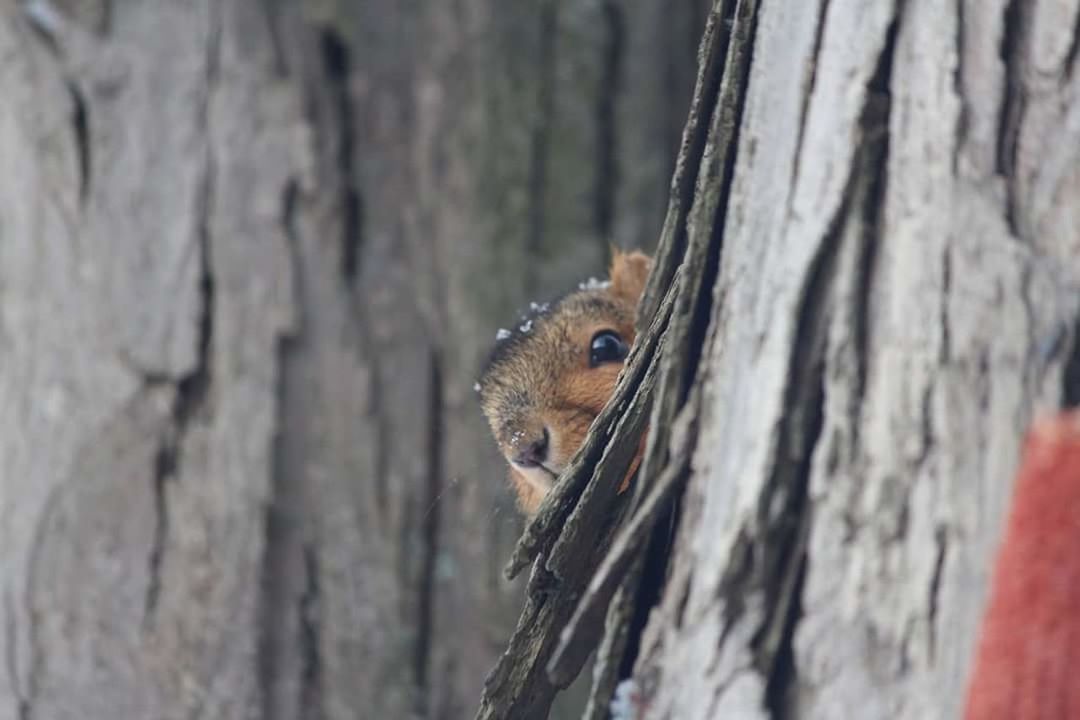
<point x="534" y="453"/>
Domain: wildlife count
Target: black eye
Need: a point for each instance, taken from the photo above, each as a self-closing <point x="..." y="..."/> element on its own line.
<point x="606" y="347"/>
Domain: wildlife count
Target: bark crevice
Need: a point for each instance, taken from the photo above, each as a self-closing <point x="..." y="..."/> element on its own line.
<point x="429" y="530"/>
<point x="192" y="389"/>
<point x="873" y="163"/>
<point x="946" y="293"/>
<point x="1013" y="98"/>
<point x="80" y="126"/>
<point x="808" y="92"/>
<point x="964" y="111"/>
<point x="941" y="545"/>
<point x="337" y="62"/>
<point x="775" y="557"/>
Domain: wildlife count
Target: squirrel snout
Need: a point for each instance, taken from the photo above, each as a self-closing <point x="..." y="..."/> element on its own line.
<point x="532" y="452"/>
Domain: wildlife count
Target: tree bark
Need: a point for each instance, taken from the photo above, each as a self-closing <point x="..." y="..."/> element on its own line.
<point x="871" y="242"/>
<point x="896" y="298"/>
<point x="251" y="256"/>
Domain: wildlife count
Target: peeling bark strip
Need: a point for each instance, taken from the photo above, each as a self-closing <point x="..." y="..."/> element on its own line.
<point x="337" y="61"/>
<point x="430" y="527"/>
<point x="1014" y="26"/>
<point x="191" y="389"/>
<point x="671" y="248"/>
<point x="80" y="125"/>
<point x="693" y="313"/>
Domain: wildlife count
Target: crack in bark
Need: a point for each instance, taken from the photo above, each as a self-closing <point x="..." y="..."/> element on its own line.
<point x="48" y="24"/>
<point x="946" y="291"/>
<point x="777" y="556"/>
<point x="164" y="467"/>
<point x="80" y="126"/>
<point x="942" y="545"/>
<point x="926" y="425"/>
<point x="1012" y="107"/>
<point x="963" y="116"/>
<point x="429" y="530"/>
<point x="191" y="395"/>
<point x="192" y="389"/>
<point x="811" y="82"/>
<point x="337" y="62"/>
<point x="1073" y="52"/>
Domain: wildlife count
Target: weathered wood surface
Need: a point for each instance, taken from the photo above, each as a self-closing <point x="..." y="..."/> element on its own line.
<point x="897" y="296"/>
<point x="884" y="220"/>
<point x="251" y="255"/>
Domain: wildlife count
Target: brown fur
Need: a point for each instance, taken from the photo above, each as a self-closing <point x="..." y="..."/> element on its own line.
<point x="540" y="376"/>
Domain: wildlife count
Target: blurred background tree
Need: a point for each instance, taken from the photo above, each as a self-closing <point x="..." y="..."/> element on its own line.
<point x="251" y="257"/>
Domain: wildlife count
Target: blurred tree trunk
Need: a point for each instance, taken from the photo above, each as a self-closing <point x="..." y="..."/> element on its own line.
<point x="891" y="293"/>
<point x="866" y="285"/>
<point x="251" y="256"/>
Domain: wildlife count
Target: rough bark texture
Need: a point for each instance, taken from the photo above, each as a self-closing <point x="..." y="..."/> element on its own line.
<point x="251" y="256"/>
<point x="896" y="298"/>
<point x="872" y="237"/>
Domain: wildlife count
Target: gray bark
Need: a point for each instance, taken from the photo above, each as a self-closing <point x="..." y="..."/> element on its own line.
<point x="867" y="285"/>
<point x="896" y="298"/>
<point x="251" y="256"/>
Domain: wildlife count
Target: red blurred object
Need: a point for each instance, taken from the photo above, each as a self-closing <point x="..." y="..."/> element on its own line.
<point x="1028" y="661"/>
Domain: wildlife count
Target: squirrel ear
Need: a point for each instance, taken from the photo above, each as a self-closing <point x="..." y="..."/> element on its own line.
<point x="629" y="271"/>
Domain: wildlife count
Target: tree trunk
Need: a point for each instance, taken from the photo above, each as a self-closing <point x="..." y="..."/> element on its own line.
<point x="896" y="297"/>
<point x="867" y="285"/>
<point x="251" y="256"/>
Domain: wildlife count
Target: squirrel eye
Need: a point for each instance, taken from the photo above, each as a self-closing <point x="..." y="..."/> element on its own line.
<point x="606" y="347"/>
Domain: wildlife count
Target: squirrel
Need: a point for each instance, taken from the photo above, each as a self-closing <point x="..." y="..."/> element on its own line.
<point x="547" y="380"/>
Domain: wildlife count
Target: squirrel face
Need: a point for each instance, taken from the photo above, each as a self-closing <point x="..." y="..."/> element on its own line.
<point x="547" y="380"/>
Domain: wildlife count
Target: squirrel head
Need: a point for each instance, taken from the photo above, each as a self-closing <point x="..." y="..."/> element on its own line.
<point x="549" y="378"/>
